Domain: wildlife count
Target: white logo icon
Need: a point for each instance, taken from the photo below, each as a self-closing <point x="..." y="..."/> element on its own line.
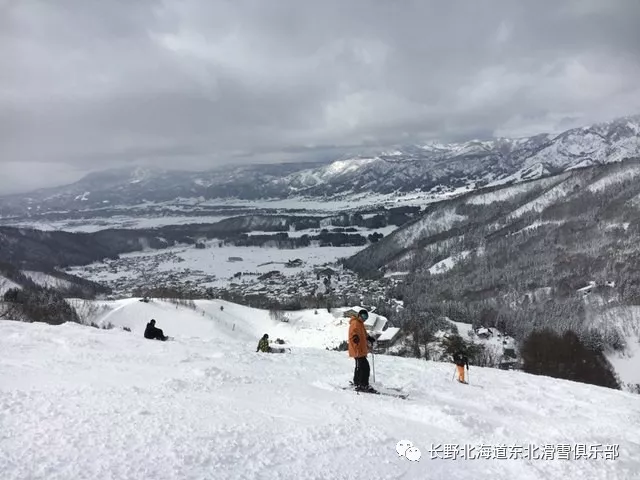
<point x="402" y="446"/>
<point x="413" y="454"/>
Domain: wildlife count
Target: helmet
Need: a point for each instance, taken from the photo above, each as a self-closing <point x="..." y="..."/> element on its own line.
<point x="363" y="314"/>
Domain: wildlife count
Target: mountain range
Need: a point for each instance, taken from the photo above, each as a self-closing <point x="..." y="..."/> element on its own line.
<point x="432" y="168"/>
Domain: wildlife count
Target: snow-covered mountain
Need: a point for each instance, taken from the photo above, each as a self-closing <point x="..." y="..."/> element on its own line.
<point x="434" y="168"/>
<point x="86" y="403"/>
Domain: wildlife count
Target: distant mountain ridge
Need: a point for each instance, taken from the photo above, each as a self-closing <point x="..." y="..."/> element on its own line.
<point x="433" y="168"/>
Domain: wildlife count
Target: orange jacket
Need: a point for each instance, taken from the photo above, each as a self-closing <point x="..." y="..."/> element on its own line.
<point x="357" y="341"/>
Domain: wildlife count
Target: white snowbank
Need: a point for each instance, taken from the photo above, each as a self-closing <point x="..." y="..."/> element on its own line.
<point x="83" y="403"/>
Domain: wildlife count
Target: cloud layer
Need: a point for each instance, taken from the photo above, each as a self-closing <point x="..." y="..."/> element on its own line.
<point x="86" y="84"/>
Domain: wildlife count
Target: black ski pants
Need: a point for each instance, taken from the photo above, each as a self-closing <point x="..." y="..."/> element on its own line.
<point x="156" y="334"/>
<point x="361" y="373"/>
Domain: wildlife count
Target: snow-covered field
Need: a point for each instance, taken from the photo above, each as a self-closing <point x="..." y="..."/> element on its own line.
<point x="200" y="265"/>
<point x="138" y="216"/>
<point x="316" y="231"/>
<point x="83" y="403"/>
<point x="89" y="225"/>
<point x="349" y="201"/>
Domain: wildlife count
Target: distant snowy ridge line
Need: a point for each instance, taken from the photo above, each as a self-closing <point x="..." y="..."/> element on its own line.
<point x="409" y="168"/>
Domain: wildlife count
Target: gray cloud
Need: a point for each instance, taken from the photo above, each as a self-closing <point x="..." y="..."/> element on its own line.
<point x="88" y="84"/>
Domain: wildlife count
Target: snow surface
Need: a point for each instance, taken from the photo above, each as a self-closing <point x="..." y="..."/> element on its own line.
<point x="304" y="328"/>
<point x="626" y="321"/>
<point x="83" y="403"/>
<point x="47" y="281"/>
<point x="537" y="224"/>
<point x="90" y="225"/>
<point x="430" y="224"/>
<point x="496" y="341"/>
<point x="190" y="263"/>
<point x="526" y="173"/>
<point x="448" y="263"/>
<point x="6" y="284"/>
<point x="340" y="203"/>
<point x="547" y="198"/>
<point x="506" y="193"/>
<point x="316" y="231"/>
<point x="618" y="176"/>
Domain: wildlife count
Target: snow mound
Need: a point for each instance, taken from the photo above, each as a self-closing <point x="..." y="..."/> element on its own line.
<point x="84" y="403"/>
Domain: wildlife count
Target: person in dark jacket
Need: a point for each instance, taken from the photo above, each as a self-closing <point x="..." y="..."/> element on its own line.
<point x="153" y="333"/>
<point x="461" y="360"/>
<point x="263" y="344"/>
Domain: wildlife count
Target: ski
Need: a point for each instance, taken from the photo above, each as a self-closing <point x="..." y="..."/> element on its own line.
<point x="403" y="396"/>
<point x="395" y="389"/>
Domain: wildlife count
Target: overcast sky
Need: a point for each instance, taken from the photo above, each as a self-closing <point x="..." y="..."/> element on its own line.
<point x="90" y="84"/>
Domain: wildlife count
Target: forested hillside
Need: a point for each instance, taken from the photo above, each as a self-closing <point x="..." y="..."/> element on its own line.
<point x="556" y="252"/>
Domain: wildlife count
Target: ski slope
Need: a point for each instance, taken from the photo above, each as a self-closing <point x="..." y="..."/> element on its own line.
<point x="304" y="328"/>
<point x="83" y="403"/>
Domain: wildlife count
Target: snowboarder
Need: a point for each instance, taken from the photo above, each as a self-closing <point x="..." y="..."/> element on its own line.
<point x="358" y="349"/>
<point x="153" y="333"/>
<point x="263" y="344"/>
<point x="460" y="359"/>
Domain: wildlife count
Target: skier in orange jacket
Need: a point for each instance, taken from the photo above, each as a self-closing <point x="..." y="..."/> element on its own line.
<point x="358" y="349"/>
<point x="461" y="360"/>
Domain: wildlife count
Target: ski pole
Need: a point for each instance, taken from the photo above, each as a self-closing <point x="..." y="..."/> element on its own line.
<point x="373" y="363"/>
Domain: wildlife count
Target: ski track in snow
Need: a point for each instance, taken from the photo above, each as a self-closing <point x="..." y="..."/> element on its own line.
<point x="83" y="403"/>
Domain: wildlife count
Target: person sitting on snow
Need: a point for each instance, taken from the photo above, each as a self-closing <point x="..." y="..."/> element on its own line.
<point x="460" y="359"/>
<point x="153" y="333"/>
<point x="263" y="344"/>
